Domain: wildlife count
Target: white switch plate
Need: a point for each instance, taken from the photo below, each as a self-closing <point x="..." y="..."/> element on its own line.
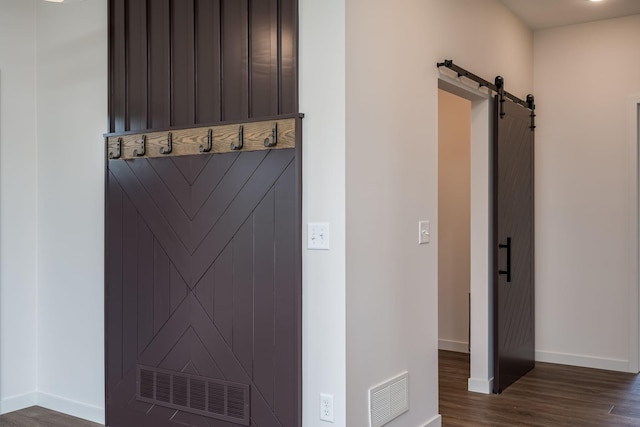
<point x="423" y="232"/>
<point x="318" y="236"/>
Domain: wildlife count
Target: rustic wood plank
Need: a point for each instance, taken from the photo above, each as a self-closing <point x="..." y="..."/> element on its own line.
<point x="188" y="141"/>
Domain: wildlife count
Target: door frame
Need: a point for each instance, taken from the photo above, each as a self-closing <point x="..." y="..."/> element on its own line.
<point x="481" y="268"/>
<point x="634" y="226"/>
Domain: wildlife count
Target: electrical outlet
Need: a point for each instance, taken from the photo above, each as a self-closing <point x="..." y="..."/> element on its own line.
<point x="326" y="407"/>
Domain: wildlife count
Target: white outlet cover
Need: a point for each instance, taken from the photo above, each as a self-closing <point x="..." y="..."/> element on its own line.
<point x="326" y="407"/>
<point x="318" y="236"/>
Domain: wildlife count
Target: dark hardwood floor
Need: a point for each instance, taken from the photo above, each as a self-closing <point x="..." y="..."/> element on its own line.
<point x="550" y="395"/>
<point x="40" y="417"/>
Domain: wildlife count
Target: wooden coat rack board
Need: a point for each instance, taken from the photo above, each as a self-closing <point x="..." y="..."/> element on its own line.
<point x="223" y="138"/>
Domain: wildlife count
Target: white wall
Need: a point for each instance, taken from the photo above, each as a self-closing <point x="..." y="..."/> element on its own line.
<point x="72" y="115"/>
<point x="18" y="205"/>
<point x="454" y="221"/>
<point x="322" y="99"/>
<point x="584" y="75"/>
<point x="391" y="163"/>
<point x="388" y="169"/>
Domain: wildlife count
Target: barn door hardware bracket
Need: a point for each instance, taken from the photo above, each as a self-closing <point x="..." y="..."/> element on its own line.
<point x="209" y="146"/>
<point x="240" y="143"/>
<point x="169" y="148"/>
<point x="143" y="147"/>
<point x="461" y="72"/>
<point x="532" y="106"/>
<point x="274" y="137"/>
<point x="500" y="86"/>
<point x="118" y="150"/>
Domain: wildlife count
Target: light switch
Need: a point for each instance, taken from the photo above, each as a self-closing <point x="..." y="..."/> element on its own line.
<point x="318" y="236"/>
<point x="423" y="232"/>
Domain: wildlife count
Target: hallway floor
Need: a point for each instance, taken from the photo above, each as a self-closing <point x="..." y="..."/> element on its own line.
<point x="549" y="395"/>
<point x="40" y="417"/>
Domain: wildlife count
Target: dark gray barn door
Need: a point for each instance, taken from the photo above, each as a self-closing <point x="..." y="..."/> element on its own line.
<point x="203" y="290"/>
<point x="513" y="245"/>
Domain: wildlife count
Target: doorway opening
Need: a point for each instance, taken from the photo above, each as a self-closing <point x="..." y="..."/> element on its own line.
<point x="454" y="223"/>
<point x="479" y="307"/>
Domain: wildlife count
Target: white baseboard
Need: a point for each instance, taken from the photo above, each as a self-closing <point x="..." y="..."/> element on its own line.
<point x="71" y="407"/>
<point x="450" y="345"/>
<point x="434" y="422"/>
<point x="583" y="361"/>
<point x="15" y="403"/>
<point x="478" y="385"/>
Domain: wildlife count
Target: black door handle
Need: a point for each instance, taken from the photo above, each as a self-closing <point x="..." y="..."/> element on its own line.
<point x="508" y="248"/>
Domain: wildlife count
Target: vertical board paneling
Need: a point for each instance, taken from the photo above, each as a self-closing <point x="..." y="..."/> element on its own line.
<point x="129" y="285"/>
<point x="204" y="291"/>
<point x="159" y="72"/>
<point x="117" y="64"/>
<point x="223" y="299"/>
<point x="289" y="56"/>
<point x="286" y="325"/>
<point x="208" y="50"/>
<point x="137" y="64"/>
<point x="235" y="64"/>
<point x="263" y="336"/>
<point x="202" y="261"/>
<point x="114" y="279"/>
<point x="264" y="58"/>
<point x="178" y="289"/>
<point x="161" y="287"/>
<point x="182" y="63"/>
<point x="145" y="285"/>
<point x="243" y="296"/>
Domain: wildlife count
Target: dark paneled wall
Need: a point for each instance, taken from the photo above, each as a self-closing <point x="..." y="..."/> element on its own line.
<point x="186" y="62"/>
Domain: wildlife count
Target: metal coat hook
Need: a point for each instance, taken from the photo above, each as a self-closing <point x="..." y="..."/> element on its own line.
<point x="209" y="143"/>
<point x="240" y="143"/>
<point x="169" y="148"/>
<point x="143" y="147"/>
<point x="274" y="137"/>
<point x="118" y="151"/>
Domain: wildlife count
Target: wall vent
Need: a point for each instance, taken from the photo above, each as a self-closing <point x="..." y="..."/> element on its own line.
<point x="222" y="400"/>
<point x="389" y="400"/>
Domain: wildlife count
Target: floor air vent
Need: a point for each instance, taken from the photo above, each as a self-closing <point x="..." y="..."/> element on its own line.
<point x="389" y="400"/>
<point x="208" y="397"/>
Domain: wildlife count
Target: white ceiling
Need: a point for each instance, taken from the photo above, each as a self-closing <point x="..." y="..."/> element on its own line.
<point x="539" y="14"/>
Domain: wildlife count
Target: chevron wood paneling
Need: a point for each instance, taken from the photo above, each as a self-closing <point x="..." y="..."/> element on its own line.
<point x="203" y="277"/>
<point x="513" y="301"/>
